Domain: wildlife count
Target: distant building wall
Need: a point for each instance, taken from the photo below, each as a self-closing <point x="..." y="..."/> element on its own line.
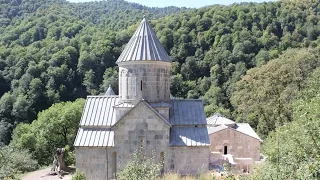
<point x="238" y="144"/>
<point x="189" y="160"/>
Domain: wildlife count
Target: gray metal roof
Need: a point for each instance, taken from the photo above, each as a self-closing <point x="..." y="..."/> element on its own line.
<point x="159" y="104"/>
<point x="247" y="129"/>
<point x="189" y="136"/>
<point x="99" y="111"/>
<point x="244" y="128"/>
<point x="144" y="45"/>
<point x="214" y="129"/>
<point x="94" y="137"/>
<point x="187" y="112"/>
<point x="109" y="91"/>
<point x="218" y="119"/>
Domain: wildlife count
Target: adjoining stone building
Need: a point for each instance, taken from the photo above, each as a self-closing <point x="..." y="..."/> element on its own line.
<point x="236" y="143"/>
<point x="143" y="115"/>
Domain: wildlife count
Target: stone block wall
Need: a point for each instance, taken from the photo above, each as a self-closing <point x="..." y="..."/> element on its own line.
<point x="150" y="81"/>
<point x="96" y="163"/>
<point x="238" y="144"/>
<point x="189" y="160"/>
<point x="141" y="128"/>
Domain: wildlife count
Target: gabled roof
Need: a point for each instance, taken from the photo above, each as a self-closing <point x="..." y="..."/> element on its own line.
<point x="243" y="128"/>
<point x="149" y="107"/>
<point x="144" y="46"/>
<point x="246" y="129"/>
<point x="189" y="136"/>
<point x="109" y="91"/>
<point x="218" y="119"/>
<point x="99" y="111"/>
<point x="214" y="129"/>
<point x="187" y="112"/>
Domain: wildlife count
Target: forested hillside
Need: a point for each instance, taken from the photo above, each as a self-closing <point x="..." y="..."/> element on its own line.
<point x="53" y="51"/>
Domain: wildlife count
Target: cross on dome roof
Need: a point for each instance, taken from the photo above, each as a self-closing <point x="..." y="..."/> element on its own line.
<point x="144" y="46"/>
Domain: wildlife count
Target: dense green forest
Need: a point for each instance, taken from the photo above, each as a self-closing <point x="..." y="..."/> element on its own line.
<point x="253" y="62"/>
<point x="53" y="51"/>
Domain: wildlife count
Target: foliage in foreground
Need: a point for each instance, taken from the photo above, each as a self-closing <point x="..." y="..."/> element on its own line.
<point x="55" y="127"/>
<point x="140" y="166"/>
<point x="78" y="176"/>
<point x="15" y="160"/>
<point x="293" y="150"/>
<point x="174" y="176"/>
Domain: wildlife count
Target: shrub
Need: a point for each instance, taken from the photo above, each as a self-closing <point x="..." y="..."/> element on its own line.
<point x="69" y="156"/>
<point x="14" y="160"/>
<point x="78" y="175"/>
<point x="140" y="167"/>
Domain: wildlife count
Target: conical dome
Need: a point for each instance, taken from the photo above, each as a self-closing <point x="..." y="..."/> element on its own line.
<point x="144" y="46"/>
<point x="109" y="91"/>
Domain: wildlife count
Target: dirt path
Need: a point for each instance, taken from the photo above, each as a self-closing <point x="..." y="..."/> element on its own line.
<point x="43" y="175"/>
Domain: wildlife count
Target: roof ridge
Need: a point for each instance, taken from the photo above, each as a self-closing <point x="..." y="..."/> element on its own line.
<point x="144" y="45"/>
<point x="185" y="99"/>
<point x="103" y="96"/>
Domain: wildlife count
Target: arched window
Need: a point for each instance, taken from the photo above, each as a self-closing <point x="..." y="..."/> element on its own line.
<point x="123" y="84"/>
<point x="131" y="84"/>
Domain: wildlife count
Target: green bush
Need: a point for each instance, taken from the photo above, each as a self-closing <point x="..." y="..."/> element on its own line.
<point x="140" y="167"/>
<point x="69" y="156"/>
<point x="78" y="175"/>
<point x="14" y="160"/>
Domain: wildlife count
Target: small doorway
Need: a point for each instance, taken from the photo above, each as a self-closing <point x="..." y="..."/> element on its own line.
<point x="225" y="150"/>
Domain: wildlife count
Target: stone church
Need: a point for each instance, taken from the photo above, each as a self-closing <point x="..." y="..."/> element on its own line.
<point x="143" y="115"/>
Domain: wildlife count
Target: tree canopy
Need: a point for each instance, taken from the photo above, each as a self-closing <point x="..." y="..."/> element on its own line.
<point x="264" y="96"/>
<point x="55" y="127"/>
<point x="293" y="149"/>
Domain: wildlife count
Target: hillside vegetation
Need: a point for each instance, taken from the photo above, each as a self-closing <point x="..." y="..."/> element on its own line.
<point x="53" y="51"/>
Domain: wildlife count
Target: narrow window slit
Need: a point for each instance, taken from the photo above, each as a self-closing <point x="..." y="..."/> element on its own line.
<point x="141" y="86"/>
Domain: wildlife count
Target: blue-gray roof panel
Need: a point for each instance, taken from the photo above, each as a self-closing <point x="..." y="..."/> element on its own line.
<point x="189" y="136"/>
<point x="187" y="112"/>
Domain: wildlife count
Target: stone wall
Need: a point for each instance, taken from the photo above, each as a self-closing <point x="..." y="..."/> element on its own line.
<point x="141" y="128"/>
<point x="238" y="144"/>
<point x="189" y="160"/>
<point x="95" y="163"/>
<point x="150" y="81"/>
